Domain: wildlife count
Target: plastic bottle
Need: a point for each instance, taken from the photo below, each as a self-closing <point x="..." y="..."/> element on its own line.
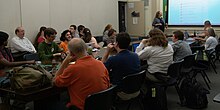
<point x="153" y="90"/>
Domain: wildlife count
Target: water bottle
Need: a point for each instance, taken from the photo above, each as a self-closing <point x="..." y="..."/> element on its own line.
<point x="153" y="90"/>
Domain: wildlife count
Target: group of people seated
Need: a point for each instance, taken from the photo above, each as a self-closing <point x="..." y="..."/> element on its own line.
<point x="88" y="75"/>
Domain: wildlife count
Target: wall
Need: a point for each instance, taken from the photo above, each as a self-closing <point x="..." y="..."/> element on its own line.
<point x="59" y="14"/>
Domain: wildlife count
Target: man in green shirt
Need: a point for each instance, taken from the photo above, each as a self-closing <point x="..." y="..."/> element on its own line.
<point x="49" y="50"/>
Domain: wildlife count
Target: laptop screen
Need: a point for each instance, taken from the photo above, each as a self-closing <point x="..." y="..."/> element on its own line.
<point x="134" y="46"/>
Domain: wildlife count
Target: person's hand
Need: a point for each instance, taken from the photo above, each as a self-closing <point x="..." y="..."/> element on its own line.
<point x="69" y="58"/>
<point x="110" y="47"/>
<point x="57" y="54"/>
<point x="144" y="41"/>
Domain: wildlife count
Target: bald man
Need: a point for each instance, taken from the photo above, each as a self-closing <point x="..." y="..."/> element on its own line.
<point x="86" y="76"/>
<point x="20" y="43"/>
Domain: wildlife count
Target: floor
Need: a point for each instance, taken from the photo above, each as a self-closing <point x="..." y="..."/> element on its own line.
<point x="173" y="99"/>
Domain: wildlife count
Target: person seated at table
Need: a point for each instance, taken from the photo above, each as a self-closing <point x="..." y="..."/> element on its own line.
<point x="86" y="76"/>
<point x="105" y="32"/>
<point x="88" y="38"/>
<point x="80" y="30"/>
<point x="40" y="36"/>
<point x="49" y="50"/>
<point x="157" y="52"/>
<point x="111" y="36"/>
<point x="204" y="35"/>
<point x="180" y="47"/>
<point x="65" y="38"/>
<point x="20" y="45"/>
<point x="6" y="59"/>
<point x="73" y="31"/>
<point x="211" y="41"/>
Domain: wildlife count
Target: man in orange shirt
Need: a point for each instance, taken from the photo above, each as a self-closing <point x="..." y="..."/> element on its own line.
<point x="86" y="76"/>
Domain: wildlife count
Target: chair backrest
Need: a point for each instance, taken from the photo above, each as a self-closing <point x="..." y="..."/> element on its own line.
<point x="174" y="69"/>
<point x="102" y="100"/>
<point x="32" y="56"/>
<point x="217" y="48"/>
<point x="188" y="63"/>
<point x="132" y="83"/>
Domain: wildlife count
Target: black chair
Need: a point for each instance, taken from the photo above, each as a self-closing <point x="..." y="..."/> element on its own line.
<point x="100" y="101"/>
<point x="31" y="56"/>
<point x="186" y="68"/>
<point x="131" y="84"/>
<point x="211" y="54"/>
<point x="171" y="79"/>
<point x="217" y="51"/>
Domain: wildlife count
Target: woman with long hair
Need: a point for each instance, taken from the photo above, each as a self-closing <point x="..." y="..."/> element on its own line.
<point x="157" y="52"/>
<point x="88" y="38"/>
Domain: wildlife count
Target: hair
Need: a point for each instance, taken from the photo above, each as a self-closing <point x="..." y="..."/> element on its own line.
<point x="77" y="45"/>
<point x="157" y="15"/>
<point x="49" y="31"/>
<point x="211" y="32"/>
<point x="178" y="34"/>
<point x="157" y="38"/>
<point x="123" y="39"/>
<point x="80" y="27"/>
<point x="87" y="35"/>
<point x="74" y="26"/>
<point x="3" y="37"/>
<point x="107" y="27"/>
<point x="42" y="28"/>
<point x="110" y="32"/>
<point x="207" y="22"/>
<point x="63" y="35"/>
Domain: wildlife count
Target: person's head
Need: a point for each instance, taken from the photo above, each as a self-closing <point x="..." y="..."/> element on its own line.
<point x="81" y="28"/>
<point x="108" y="27"/>
<point x="77" y="46"/>
<point x="178" y="35"/>
<point x="72" y="28"/>
<point x="87" y="35"/>
<point x="122" y="40"/>
<point x="211" y="32"/>
<point x="112" y="32"/>
<point x="19" y="31"/>
<point x="66" y="35"/>
<point x="3" y="38"/>
<point x="157" y="38"/>
<point x="207" y="23"/>
<point x="50" y="34"/>
<point x="158" y="14"/>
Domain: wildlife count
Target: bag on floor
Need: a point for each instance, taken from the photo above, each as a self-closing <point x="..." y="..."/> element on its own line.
<point x="29" y="77"/>
<point x="194" y="94"/>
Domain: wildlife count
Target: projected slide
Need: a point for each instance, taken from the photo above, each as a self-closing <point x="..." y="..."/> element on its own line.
<point x="193" y="12"/>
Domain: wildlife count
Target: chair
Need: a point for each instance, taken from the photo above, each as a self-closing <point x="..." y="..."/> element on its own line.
<point x="102" y="100"/>
<point x="217" y="51"/>
<point x="186" y="67"/>
<point x="131" y="84"/>
<point x="211" y="58"/>
<point x="31" y="56"/>
<point x="173" y="72"/>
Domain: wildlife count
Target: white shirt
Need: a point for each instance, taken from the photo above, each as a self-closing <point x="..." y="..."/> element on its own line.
<point x="18" y="45"/>
<point x="158" y="58"/>
<point x="211" y="43"/>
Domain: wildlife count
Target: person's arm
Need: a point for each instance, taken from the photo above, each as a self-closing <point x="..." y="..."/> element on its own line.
<point x="93" y="40"/>
<point x="33" y="50"/>
<point x="142" y="45"/>
<point x="19" y="46"/>
<point x="64" y="64"/>
<point x="6" y="63"/>
<point x="110" y="48"/>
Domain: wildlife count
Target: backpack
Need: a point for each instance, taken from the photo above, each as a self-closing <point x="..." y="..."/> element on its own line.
<point x="193" y="93"/>
<point x="29" y="77"/>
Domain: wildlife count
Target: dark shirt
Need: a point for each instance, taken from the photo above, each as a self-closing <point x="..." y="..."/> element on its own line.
<point x="121" y="65"/>
<point x="159" y="20"/>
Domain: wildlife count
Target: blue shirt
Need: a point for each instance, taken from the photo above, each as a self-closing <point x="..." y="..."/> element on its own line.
<point x="121" y="65"/>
